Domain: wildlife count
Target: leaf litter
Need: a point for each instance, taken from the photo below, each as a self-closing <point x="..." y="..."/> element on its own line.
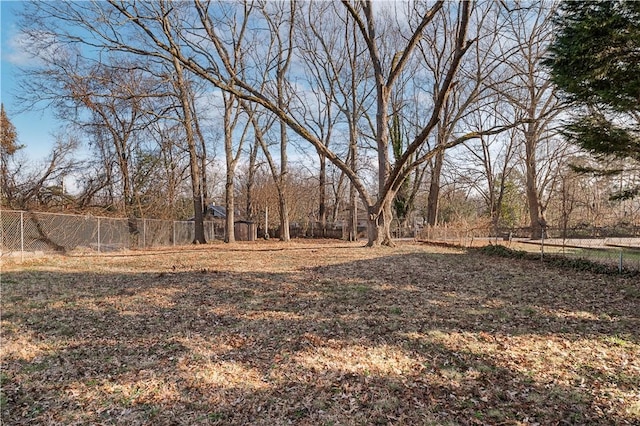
<point x="316" y="333"/>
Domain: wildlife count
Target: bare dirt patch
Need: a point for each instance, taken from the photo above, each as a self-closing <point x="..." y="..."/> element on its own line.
<point x="316" y="333"/>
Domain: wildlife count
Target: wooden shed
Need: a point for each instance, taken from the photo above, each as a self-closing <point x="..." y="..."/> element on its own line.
<point x="245" y="230"/>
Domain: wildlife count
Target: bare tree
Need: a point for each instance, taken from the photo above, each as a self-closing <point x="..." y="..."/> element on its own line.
<point x="445" y="75"/>
<point x="316" y="36"/>
<point x="339" y="75"/>
<point x="488" y="167"/>
<point x="233" y="110"/>
<point x="42" y="186"/>
<point x="195" y="36"/>
<point x="220" y="71"/>
<point x="280" y="19"/>
<point x="114" y="100"/>
<point x="67" y="27"/>
<point x="185" y="96"/>
<point x="480" y="77"/>
<point x="524" y="44"/>
<point x="172" y="170"/>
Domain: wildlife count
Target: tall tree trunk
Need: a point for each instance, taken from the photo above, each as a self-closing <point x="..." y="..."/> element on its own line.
<point x="127" y="194"/>
<point x="494" y="214"/>
<point x="284" y="217"/>
<point x="353" y="213"/>
<point x="498" y="200"/>
<point x="384" y="167"/>
<point x="284" y="53"/>
<point x="353" y="162"/>
<point x="250" y="214"/>
<point x="229" y="234"/>
<point x="433" y="198"/>
<point x="203" y="159"/>
<point x="196" y="179"/>
<point x="322" y="196"/>
<point x="282" y="190"/>
<point x="536" y="214"/>
<point x="338" y="204"/>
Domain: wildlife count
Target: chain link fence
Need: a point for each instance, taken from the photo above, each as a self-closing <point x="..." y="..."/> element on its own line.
<point x="612" y="247"/>
<point x="25" y="233"/>
<point x="35" y="232"/>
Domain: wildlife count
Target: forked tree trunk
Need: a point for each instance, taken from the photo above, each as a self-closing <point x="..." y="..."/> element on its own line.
<point x="379" y="223"/>
<point x="378" y="232"/>
<point x="387" y="219"/>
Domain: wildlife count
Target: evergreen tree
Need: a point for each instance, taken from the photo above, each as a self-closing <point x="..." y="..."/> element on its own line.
<point x="595" y="61"/>
<point x="9" y="137"/>
<point x="8" y="147"/>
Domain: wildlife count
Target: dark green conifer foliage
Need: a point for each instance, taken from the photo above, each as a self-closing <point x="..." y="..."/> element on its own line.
<point x="595" y="60"/>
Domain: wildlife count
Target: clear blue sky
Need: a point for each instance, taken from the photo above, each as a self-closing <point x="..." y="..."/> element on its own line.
<point x="35" y="129"/>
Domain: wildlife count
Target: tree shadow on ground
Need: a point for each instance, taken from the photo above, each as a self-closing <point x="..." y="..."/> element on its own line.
<point x="410" y="339"/>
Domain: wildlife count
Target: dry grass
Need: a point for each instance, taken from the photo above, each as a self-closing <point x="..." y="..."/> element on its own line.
<point x="315" y="333"/>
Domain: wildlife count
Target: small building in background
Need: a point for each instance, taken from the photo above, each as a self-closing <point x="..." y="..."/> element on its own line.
<point x="216" y="212"/>
<point x="245" y="230"/>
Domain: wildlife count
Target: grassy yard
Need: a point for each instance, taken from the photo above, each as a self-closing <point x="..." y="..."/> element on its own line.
<point x="316" y="333"/>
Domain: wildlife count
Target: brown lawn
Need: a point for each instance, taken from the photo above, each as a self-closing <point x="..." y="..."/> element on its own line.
<point x="315" y="333"/>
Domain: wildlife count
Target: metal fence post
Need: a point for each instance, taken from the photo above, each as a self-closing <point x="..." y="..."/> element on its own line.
<point x="98" y="235"/>
<point x="620" y="263"/>
<point x="144" y="233"/>
<point x="173" y="226"/>
<point x="22" y="236"/>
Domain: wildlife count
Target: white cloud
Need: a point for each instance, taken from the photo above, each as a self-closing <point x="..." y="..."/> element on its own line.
<point x="21" y="48"/>
<point x="17" y="53"/>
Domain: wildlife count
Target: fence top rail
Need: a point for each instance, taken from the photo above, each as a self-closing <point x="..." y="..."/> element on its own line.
<point x="87" y="215"/>
<point x="60" y="214"/>
<point x="156" y="220"/>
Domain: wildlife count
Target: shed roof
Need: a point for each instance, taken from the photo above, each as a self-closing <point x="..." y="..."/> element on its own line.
<point x="217" y="211"/>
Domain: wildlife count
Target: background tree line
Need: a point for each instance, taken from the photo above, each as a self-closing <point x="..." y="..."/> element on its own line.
<point x="318" y="112"/>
